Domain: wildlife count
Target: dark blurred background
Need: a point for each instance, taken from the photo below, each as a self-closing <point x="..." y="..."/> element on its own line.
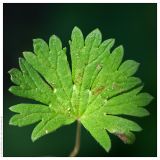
<point x="133" y="25"/>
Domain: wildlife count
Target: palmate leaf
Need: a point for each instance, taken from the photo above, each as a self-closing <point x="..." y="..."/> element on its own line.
<point x="96" y="91"/>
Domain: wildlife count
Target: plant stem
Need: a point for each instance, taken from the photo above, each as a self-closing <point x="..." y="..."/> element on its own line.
<point x="77" y="140"/>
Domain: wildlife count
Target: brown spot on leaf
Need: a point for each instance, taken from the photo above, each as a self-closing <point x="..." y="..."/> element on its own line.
<point x="98" y="90"/>
<point x="78" y="78"/>
<point x="122" y="136"/>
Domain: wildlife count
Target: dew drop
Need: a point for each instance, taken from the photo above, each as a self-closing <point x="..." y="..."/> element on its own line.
<point x="74" y="87"/>
<point x="105" y="101"/>
<point x="55" y="90"/>
<point x="98" y="67"/>
<point x="90" y="92"/>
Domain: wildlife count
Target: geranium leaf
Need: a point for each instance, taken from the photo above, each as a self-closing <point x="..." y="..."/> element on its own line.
<point x="96" y="90"/>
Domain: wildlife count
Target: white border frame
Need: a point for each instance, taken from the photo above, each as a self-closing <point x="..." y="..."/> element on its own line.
<point x="83" y="1"/>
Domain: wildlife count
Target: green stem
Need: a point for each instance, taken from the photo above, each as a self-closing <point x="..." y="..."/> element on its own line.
<point x="77" y="140"/>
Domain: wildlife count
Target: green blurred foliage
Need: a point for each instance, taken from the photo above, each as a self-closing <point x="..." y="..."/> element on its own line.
<point x="133" y="25"/>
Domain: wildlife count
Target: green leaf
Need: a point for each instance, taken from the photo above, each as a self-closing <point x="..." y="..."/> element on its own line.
<point x="128" y="104"/>
<point x="97" y="130"/>
<point x="129" y="67"/>
<point x="96" y="90"/>
<point x="46" y="126"/>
